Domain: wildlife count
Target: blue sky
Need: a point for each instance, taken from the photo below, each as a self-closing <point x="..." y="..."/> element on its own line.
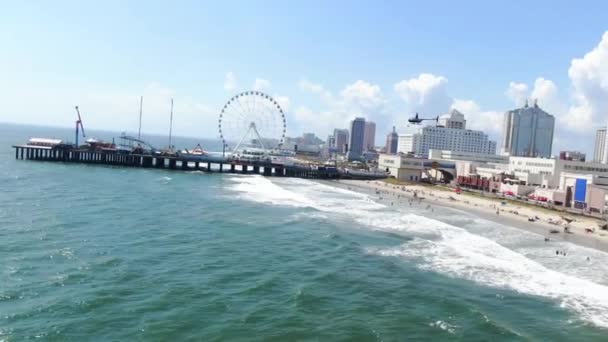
<point x="326" y="61"/>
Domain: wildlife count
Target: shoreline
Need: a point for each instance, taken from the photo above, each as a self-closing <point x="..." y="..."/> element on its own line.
<point x="485" y="208"/>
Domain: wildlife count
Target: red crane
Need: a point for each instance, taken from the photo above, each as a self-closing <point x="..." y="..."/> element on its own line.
<point x="79" y="125"/>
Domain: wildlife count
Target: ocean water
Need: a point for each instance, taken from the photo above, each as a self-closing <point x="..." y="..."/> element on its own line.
<point x="115" y="254"/>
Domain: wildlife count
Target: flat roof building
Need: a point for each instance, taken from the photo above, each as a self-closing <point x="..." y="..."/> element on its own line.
<point x="454" y="137"/>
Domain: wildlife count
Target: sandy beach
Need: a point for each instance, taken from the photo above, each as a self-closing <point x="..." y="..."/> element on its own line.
<point x="492" y="209"/>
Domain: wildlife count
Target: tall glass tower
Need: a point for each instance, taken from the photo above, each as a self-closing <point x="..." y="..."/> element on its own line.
<point x="528" y="132"/>
<point x="357" y="136"/>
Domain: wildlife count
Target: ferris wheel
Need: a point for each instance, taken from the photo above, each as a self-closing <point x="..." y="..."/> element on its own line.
<point x="252" y="119"/>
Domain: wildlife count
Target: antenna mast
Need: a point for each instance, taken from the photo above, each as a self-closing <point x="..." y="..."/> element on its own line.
<point x="171" y="124"/>
<point x="141" y="103"/>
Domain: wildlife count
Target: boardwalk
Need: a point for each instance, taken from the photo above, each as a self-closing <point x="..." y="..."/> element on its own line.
<point x="184" y="163"/>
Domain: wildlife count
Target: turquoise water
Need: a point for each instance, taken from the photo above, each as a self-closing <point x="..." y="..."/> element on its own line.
<point x="110" y="254"/>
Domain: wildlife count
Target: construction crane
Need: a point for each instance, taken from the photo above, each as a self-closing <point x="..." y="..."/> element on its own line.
<point x="79" y="126"/>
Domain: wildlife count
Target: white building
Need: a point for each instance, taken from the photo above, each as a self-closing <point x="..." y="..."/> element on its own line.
<point x="410" y="168"/>
<point x="600" y="153"/>
<point x="402" y="167"/>
<point x="450" y="135"/>
<point x="467" y="163"/>
<point x="547" y="172"/>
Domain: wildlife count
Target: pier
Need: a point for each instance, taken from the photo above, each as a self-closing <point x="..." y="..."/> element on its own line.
<point x="182" y="163"/>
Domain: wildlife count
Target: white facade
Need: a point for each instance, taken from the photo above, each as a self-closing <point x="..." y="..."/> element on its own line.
<point x="600" y="153"/>
<point x="450" y="135"/>
<point x="401" y="167"/>
<point x="441" y="138"/>
<point x="547" y="172"/>
<point x="405" y="143"/>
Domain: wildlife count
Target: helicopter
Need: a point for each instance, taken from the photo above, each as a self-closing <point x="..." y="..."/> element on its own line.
<point x="417" y="120"/>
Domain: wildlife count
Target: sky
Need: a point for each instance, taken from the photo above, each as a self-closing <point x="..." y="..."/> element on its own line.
<point x="325" y="62"/>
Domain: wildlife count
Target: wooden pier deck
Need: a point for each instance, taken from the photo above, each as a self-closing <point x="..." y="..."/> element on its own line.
<point x="183" y="163"/>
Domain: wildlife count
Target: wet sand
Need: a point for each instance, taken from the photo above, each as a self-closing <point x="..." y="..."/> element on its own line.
<point x="511" y="215"/>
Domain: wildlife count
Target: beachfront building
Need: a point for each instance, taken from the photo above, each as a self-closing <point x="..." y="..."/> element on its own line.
<point x="392" y="140"/>
<point x="357" y="137"/>
<point x="369" y="136"/>
<point x="410" y="168"/>
<point x="546" y="172"/>
<point x="467" y="163"/>
<point x="451" y="134"/>
<point x="600" y="151"/>
<point x="402" y="167"/>
<point x="528" y="132"/>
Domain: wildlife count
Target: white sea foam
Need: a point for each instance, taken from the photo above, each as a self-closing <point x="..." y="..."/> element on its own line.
<point x="461" y="254"/>
<point x="472" y="253"/>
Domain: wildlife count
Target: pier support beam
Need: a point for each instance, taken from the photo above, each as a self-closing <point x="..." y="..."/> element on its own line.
<point x="232" y="168"/>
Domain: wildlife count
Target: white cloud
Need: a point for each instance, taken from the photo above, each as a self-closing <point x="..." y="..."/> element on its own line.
<point x="230" y="83"/>
<point x="517" y="92"/>
<point x="316" y="88"/>
<point x="426" y="94"/>
<point x="363" y="95"/>
<point x="261" y="84"/>
<point x="320" y="122"/>
<point x="488" y="121"/>
<point x="359" y="98"/>
<point x="589" y="77"/>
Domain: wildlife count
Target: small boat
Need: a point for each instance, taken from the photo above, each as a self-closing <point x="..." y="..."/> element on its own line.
<point x="531" y="219"/>
<point x="554" y="231"/>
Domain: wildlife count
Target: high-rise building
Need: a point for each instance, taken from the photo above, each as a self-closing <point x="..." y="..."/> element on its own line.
<point x="453" y="138"/>
<point x="599" y="152"/>
<point x="528" y="132"/>
<point x="369" y="136"/>
<point x="341" y="139"/>
<point x="392" y="140"/>
<point x="357" y="136"/>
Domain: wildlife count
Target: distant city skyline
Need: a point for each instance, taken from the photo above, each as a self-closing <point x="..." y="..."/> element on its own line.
<point x="380" y="62"/>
